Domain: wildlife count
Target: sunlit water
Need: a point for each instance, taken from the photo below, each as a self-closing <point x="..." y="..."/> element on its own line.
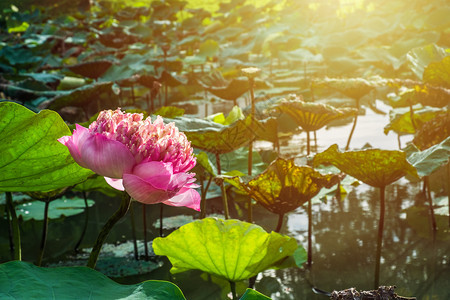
<point x="344" y="233"/>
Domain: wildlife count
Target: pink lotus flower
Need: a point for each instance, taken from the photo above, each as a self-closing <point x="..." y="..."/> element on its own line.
<point x="149" y="160"/>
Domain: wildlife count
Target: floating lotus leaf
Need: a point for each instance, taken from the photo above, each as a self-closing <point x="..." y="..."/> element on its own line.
<point x="431" y="159"/>
<point x="438" y="73"/>
<point x="57" y="208"/>
<point x="92" y="69"/>
<point x="420" y="57"/>
<point x="354" y="88"/>
<point x="400" y="119"/>
<point x="433" y="131"/>
<point x="375" y="167"/>
<point x="217" y="138"/>
<point x="32" y="159"/>
<point x="21" y="280"/>
<point x="283" y="186"/>
<point x="313" y="116"/>
<point x="230" y="249"/>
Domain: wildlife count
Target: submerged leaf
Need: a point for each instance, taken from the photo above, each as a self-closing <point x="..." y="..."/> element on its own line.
<point x="21" y="280"/>
<point x="32" y="159"/>
<point x="374" y="167"/>
<point x="313" y="116"/>
<point x="284" y="186"/>
<point x="231" y="249"/>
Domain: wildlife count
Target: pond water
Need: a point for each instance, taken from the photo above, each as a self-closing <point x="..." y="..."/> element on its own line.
<point x="344" y="233"/>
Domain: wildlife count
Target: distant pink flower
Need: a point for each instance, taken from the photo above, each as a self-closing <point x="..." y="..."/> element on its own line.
<point x="149" y="160"/>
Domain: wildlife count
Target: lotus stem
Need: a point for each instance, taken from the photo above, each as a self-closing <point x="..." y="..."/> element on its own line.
<point x="119" y="214"/>
<point x="161" y="213"/>
<point x="203" y="201"/>
<point x="219" y="171"/>
<point x="144" y="222"/>
<point x="411" y="116"/>
<point x="308" y="140"/>
<point x="399" y="142"/>
<point x="430" y="202"/>
<point x="133" y="232"/>
<point x="249" y="200"/>
<point x="86" y="219"/>
<point x="44" y="233"/>
<point x="233" y="289"/>
<point x="380" y="237"/>
<point x="280" y="222"/>
<point x="225" y="200"/>
<point x="315" y="141"/>
<point x="309" y="262"/>
<point x="17" y="247"/>
<point x="353" y="127"/>
<point x="10" y="234"/>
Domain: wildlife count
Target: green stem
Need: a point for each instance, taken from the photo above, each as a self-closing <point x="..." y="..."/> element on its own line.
<point x="133" y="232"/>
<point x="161" y="211"/>
<point x="225" y="200"/>
<point x="44" y="233"/>
<point x="86" y="220"/>
<point x="233" y="289"/>
<point x="309" y="262"/>
<point x="353" y="127"/>
<point x="430" y="202"/>
<point x="15" y="227"/>
<point x="280" y="222"/>
<point x="144" y="221"/>
<point x="380" y="238"/>
<point x="119" y="214"/>
<point x="203" y="201"/>
<point x="308" y="141"/>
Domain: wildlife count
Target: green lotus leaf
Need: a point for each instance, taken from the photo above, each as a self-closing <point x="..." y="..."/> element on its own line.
<point x="433" y="131"/>
<point x="32" y="159"/>
<point x="206" y="164"/>
<point x="354" y="88"/>
<point x="92" y="69"/>
<point x="283" y="186"/>
<point x="83" y="96"/>
<point x="169" y="112"/>
<point x="233" y="90"/>
<point x="172" y="80"/>
<point x="21" y="280"/>
<point x="217" y="138"/>
<point x="57" y="208"/>
<point x="313" y="116"/>
<point x="234" y="115"/>
<point x="251" y="294"/>
<point x="431" y="159"/>
<point x="425" y="94"/>
<point x="230" y="249"/>
<point x="208" y="48"/>
<point x="375" y="167"/>
<point x="438" y="73"/>
<point x="400" y="119"/>
<point x="420" y="57"/>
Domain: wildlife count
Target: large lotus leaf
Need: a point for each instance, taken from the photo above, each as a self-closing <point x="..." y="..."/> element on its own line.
<point x="438" y="73"/>
<point x="354" y="88"/>
<point x="283" y="186"/>
<point x="32" y="159"/>
<point x="57" y="208"/>
<point x="172" y="80"/>
<point x="230" y="249"/>
<point x="169" y="112"/>
<point x="400" y="119"/>
<point x="374" y="167"/>
<point x="425" y="94"/>
<point x="92" y="69"/>
<point x="205" y="163"/>
<point x="433" y="131"/>
<point x="313" y="116"/>
<point x="208" y="48"/>
<point x="238" y="161"/>
<point x="421" y="57"/>
<point x="21" y="280"/>
<point x="216" y="138"/>
<point x="251" y="294"/>
<point x="300" y="55"/>
<point x="84" y="95"/>
<point x="235" y="89"/>
<point x="431" y="159"/>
